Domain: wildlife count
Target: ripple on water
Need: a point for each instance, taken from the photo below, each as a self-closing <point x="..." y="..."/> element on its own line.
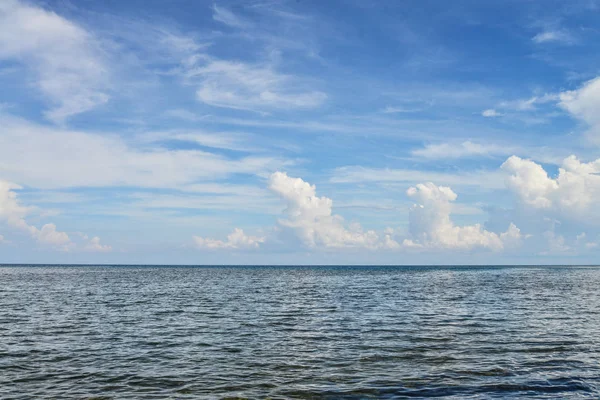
<point x="323" y="332"/>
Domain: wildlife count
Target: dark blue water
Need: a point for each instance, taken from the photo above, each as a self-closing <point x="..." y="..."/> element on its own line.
<point x="299" y="332"/>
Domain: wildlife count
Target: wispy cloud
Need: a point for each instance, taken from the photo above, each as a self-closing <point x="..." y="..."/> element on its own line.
<point x="66" y="60"/>
<point x="529" y="104"/>
<point x="185" y="115"/>
<point x="47" y="157"/>
<point x="14" y="213"/>
<point x="227" y="17"/>
<point x="489" y="179"/>
<point x="554" y="36"/>
<point x="217" y="140"/>
<point x="491" y="113"/>
<point x="583" y="104"/>
<point x="465" y="149"/>
<point x="251" y="87"/>
<point x="399" y="110"/>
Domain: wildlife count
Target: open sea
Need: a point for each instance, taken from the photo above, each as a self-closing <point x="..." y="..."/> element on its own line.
<point x="119" y="332"/>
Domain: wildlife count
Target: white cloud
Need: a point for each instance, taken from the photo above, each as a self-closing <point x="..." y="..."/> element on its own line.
<point x="310" y="218"/>
<point x="209" y="197"/>
<point x="9" y="205"/>
<point x="355" y="174"/>
<point x="68" y="66"/>
<point x="245" y="86"/>
<point x="584" y="104"/>
<point x="185" y="115"/>
<point x="431" y="226"/>
<point x="45" y="157"/>
<point x="94" y="245"/>
<point x="217" y="140"/>
<point x="529" y="104"/>
<point x="490" y="113"/>
<point x="399" y="110"/>
<point x="236" y="240"/>
<point x="226" y="17"/>
<point x="460" y="150"/>
<point x="13" y="213"/>
<point x="573" y="193"/>
<point x="555" y="244"/>
<point x="557" y="36"/>
<point x="49" y="235"/>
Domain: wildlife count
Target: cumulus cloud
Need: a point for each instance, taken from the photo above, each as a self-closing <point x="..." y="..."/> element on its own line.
<point x="13" y="213"/>
<point x="235" y="240"/>
<point x="64" y="58"/>
<point x="310" y="218"/>
<point x="572" y="193"/>
<point x="431" y="226"/>
<point x="49" y="235"/>
<point x="584" y="104"/>
<point x="556" y="209"/>
<point x="93" y="245"/>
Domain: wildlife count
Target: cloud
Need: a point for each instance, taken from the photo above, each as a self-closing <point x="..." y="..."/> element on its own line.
<point x="13" y="213"/>
<point x="572" y="194"/>
<point x="399" y="110"/>
<point x="46" y="157"/>
<point x="65" y="59"/>
<point x="251" y="87"/>
<point x="49" y="235"/>
<point x="431" y="226"/>
<point x="529" y="104"/>
<point x="256" y="86"/>
<point x="489" y="179"/>
<point x="460" y="150"/>
<point x="226" y="17"/>
<point x="310" y="219"/>
<point x="556" y="244"/>
<point x="213" y="197"/>
<point x="236" y="240"/>
<point x="583" y="104"/>
<point x="556" y="36"/>
<point x="218" y="140"/>
<point x="184" y="115"/>
<point x="552" y="210"/>
<point x="94" y="245"/>
<point x="491" y="113"/>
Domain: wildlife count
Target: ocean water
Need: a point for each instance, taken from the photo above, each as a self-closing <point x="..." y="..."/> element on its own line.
<point x="299" y="332"/>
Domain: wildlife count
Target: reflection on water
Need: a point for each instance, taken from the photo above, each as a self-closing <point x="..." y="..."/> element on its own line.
<point x="299" y="332"/>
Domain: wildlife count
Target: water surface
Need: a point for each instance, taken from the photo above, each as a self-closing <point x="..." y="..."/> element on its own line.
<point x="299" y="332"/>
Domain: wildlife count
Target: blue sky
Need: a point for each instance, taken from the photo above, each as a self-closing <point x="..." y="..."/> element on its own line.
<point x="299" y="132"/>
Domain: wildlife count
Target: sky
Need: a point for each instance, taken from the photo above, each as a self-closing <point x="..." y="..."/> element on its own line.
<point x="300" y="132"/>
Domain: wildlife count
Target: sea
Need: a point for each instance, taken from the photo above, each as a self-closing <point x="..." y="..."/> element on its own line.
<point x="299" y="332"/>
